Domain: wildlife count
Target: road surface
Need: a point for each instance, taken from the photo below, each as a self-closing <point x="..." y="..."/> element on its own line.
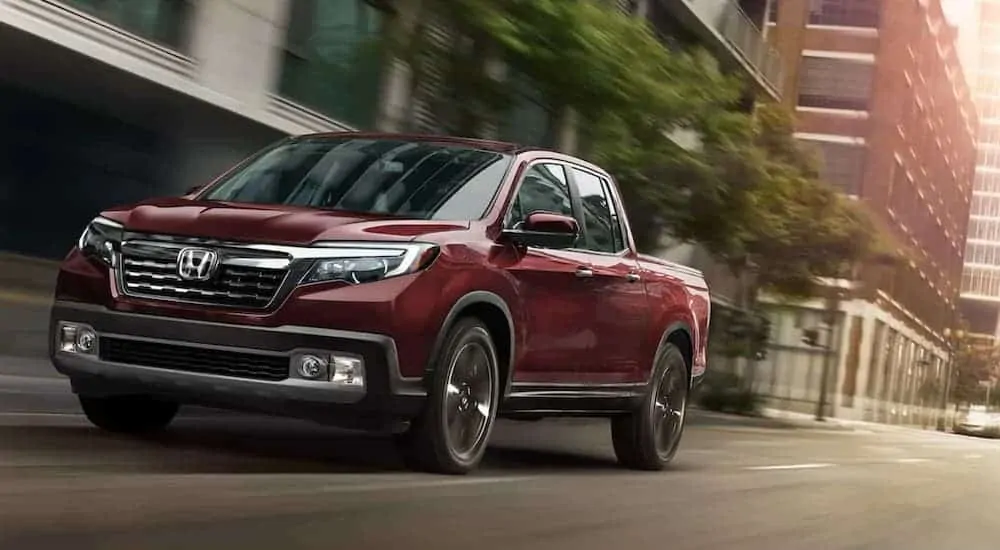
<point x="219" y="481"/>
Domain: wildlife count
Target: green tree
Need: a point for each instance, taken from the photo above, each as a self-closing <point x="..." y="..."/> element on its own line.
<point x="585" y="56"/>
<point x="742" y="187"/>
<point x="973" y="363"/>
<point x="805" y="228"/>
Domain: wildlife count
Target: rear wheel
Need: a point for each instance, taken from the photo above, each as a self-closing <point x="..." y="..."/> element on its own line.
<point x="648" y="438"/>
<point x="451" y="434"/>
<point x="129" y="414"/>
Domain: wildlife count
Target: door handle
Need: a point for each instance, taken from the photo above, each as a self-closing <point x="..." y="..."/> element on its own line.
<point x="584" y="273"/>
<point x="632" y="277"/>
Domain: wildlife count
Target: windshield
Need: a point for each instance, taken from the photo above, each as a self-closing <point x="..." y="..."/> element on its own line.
<point x="413" y="179"/>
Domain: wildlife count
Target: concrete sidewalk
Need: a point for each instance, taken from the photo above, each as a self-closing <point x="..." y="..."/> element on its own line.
<point x="770" y="420"/>
<point x="785" y="420"/>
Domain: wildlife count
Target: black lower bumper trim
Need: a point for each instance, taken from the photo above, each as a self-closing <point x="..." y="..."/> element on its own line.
<point x="259" y="355"/>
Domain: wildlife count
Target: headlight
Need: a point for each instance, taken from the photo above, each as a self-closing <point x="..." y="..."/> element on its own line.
<point x="101" y="239"/>
<point x="361" y="263"/>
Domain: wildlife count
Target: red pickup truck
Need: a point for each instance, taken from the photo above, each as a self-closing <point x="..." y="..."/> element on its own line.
<point x="420" y="286"/>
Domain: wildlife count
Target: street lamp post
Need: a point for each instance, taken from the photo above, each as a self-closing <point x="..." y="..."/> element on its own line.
<point x="830" y="320"/>
<point x="950" y="340"/>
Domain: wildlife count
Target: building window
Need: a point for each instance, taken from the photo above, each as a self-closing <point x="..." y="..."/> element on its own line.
<point x="835" y="83"/>
<point x="845" y="13"/>
<point x="162" y="21"/>
<point x="984" y="229"/>
<point x="987" y="182"/>
<point x="985" y="205"/>
<point x="333" y="60"/>
<point x="989" y="134"/>
<point x="989" y="108"/>
<point x="988" y="157"/>
<point x="526" y="120"/>
<point x="987" y="84"/>
<point x="900" y="189"/>
<point x="772" y="11"/>
<point x="981" y="281"/>
<point x="842" y="165"/>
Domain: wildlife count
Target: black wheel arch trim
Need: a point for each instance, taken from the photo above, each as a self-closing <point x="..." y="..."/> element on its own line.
<point x="473" y="298"/>
<point x="676" y="326"/>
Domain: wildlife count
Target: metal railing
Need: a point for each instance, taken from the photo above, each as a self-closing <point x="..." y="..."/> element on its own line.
<point x="729" y="20"/>
<point x="741" y="32"/>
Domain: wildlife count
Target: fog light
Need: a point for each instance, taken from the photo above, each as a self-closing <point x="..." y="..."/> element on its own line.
<point x="86" y="340"/>
<point x="348" y="371"/>
<point x="312" y="367"/>
<point x="75" y="338"/>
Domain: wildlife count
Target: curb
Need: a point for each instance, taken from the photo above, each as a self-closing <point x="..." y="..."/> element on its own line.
<point x="702" y="417"/>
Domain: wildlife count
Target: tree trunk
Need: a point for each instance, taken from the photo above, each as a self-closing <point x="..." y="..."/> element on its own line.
<point x="738" y="270"/>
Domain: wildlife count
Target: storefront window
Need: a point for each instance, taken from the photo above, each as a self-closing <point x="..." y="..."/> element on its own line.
<point x="162" y="21"/>
<point x="333" y="60"/>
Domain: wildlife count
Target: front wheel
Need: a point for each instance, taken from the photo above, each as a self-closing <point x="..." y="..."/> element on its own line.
<point x="451" y="434"/>
<point x="648" y="438"/>
<point x="129" y="414"/>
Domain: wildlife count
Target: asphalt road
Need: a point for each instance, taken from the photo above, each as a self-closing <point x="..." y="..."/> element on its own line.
<point x="226" y="481"/>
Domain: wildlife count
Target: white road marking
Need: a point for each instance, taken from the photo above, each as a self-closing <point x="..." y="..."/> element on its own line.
<point x="974" y="455"/>
<point x="911" y="460"/>
<point x="39" y="415"/>
<point x="395" y="486"/>
<point x="16" y="380"/>
<point x="811" y="466"/>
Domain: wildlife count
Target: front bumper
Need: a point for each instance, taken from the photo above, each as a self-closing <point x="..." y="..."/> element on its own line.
<point x="385" y="399"/>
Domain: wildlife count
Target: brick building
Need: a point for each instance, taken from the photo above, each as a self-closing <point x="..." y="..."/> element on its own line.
<point x="880" y="94"/>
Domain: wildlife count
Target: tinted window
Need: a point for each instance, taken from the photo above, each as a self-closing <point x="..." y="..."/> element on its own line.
<point x="391" y="177"/>
<point x="543" y="188"/>
<point x="600" y="217"/>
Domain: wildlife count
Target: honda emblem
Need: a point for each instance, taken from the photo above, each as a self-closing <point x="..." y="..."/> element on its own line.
<point x="197" y="264"/>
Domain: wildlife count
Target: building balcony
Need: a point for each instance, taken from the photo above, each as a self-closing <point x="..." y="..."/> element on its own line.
<point x="733" y="36"/>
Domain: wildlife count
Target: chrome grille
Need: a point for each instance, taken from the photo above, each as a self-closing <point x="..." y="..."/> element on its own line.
<point x="149" y="270"/>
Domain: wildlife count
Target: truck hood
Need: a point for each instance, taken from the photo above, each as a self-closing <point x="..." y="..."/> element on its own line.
<point x="274" y="224"/>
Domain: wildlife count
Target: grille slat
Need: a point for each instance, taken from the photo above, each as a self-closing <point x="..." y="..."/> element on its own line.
<point x="194" y="359"/>
<point x="150" y="271"/>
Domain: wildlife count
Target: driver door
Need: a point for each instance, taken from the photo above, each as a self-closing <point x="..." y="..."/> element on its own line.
<point x="558" y="301"/>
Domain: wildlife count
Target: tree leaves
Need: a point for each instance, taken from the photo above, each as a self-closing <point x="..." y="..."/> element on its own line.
<point x="691" y="160"/>
<point x="973" y="363"/>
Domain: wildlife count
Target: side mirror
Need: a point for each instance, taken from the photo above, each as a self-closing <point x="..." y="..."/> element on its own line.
<point x="545" y="229"/>
<point x="193" y="190"/>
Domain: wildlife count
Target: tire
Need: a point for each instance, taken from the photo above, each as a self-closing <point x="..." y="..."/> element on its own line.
<point x="451" y="433"/>
<point x="129" y="414"/>
<point x="639" y="440"/>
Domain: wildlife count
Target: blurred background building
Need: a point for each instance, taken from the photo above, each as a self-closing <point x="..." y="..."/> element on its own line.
<point x="107" y="101"/>
<point x="979" y="22"/>
<point x="111" y="101"/>
<point x="881" y="95"/>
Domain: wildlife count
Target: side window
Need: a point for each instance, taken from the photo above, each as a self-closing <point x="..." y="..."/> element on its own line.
<point x="600" y="216"/>
<point x="543" y="187"/>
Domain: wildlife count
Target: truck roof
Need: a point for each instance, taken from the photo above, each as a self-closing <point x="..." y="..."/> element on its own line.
<point x="489" y="145"/>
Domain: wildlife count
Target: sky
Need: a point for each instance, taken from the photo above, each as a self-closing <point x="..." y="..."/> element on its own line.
<point x="957" y="10"/>
<point x="961" y="13"/>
